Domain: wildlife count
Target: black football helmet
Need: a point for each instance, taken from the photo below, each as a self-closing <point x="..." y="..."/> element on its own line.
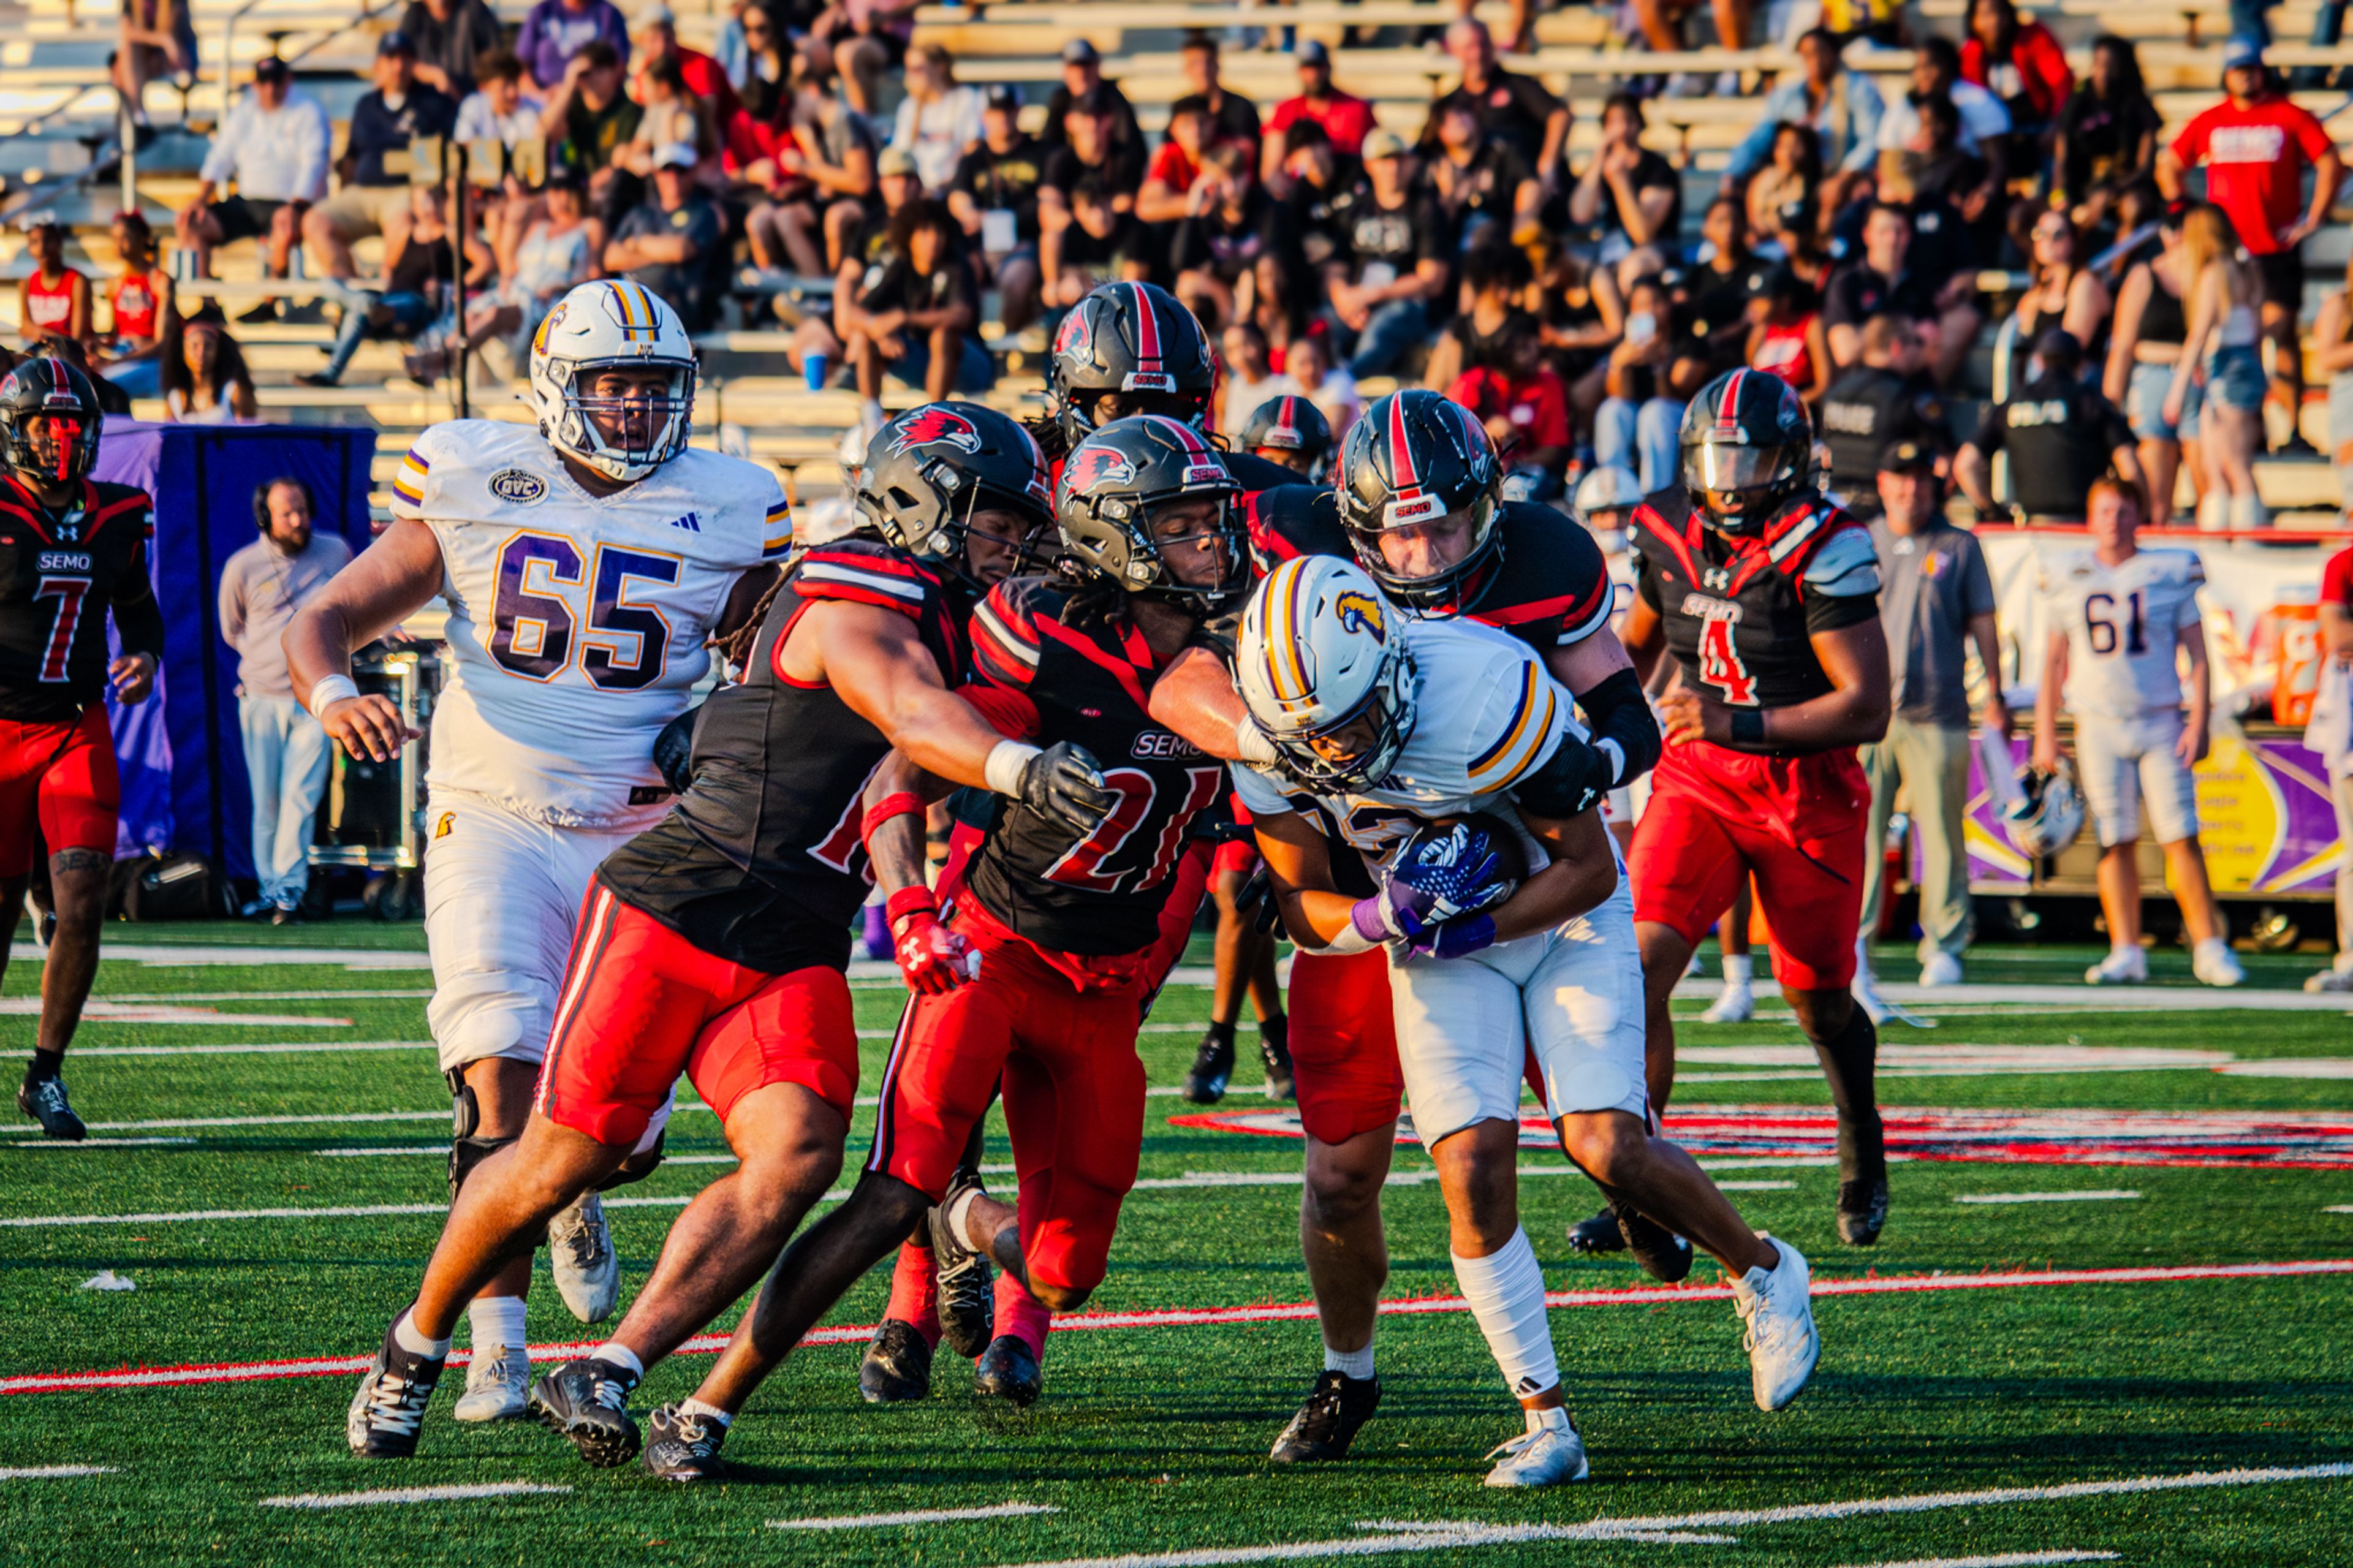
<point x="49" y="387"/>
<point x="928" y="470"/>
<point x="1747" y="446"/>
<point x="1291" y="425"/>
<point x="1113" y="483"/>
<point x="1134" y="342"/>
<point x="1412" y="459"/>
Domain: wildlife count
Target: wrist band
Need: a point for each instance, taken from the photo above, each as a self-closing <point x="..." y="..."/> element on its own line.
<point x="1747" y="727"/>
<point x="1002" y="771"/>
<point x="906" y="803"/>
<point x="907" y="901"/>
<point x="329" y="690"/>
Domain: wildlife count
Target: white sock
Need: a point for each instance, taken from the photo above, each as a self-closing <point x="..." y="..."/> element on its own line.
<point x="1506" y="1292"/>
<point x="496" y="1320"/>
<point x="620" y="1356"/>
<point x="1737" y="968"/>
<point x="708" y="1412"/>
<point x="1358" y="1365"/>
<point x="406" y="1335"/>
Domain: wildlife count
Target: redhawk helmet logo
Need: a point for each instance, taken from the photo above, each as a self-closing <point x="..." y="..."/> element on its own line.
<point x="931" y="427"/>
<point x="1095" y="468"/>
<point x="1076" y="334"/>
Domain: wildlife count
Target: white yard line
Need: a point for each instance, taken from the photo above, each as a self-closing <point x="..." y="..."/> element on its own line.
<point x="362" y="993"/>
<point x="1948" y="999"/>
<point x="87" y="1143"/>
<point x="918" y="1516"/>
<point x="56" y="1472"/>
<point x="2007" y="1559"/>
<point x="166" y="956"/>
<point x="412" y="1494"/>
<point x="2339" y="1209"/>
<point x="255" y="1049"/>
<point x="2086" y="1196"/>
<point x="1756" y="1186"/>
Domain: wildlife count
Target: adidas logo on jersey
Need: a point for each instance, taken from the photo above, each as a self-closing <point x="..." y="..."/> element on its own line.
<point x="691" y="522"/>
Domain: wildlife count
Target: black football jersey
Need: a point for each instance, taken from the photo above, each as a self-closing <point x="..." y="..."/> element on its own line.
<point x="1547" y="582"/>
<point x="1089" y="685"/>
<point x="762" y="862"/>
<point x="1738" y="614"/>
<point x="59" y="576"/>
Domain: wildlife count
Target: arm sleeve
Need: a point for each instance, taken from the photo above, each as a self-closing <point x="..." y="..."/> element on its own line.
<point x="1010" y="713"/>
<point x="411" y="483"/>
<point x="777" y="523"/>
<point x="1757" y="144"/>
<point x="138" y="618"/>
<point x="1624" y="729"/>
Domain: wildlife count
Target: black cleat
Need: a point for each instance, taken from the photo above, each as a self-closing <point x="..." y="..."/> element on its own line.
<point x="1327" y="1423"/>
<point x="390" y="1403"/>
<point x="1862" y="1211"/>
<point x="1007" y="1371"/>
<point x="967" y="1306"/>
<point x="588" y="1401"/>
<point x="898" y="1366"/>
<point x="1276" y="1055"/>
<point x="682" y="1448"/>
<point x="43" y="1099"/>
<point x="1591" y="1237"/>
<point x="1664" y="1255"/>
<point x="1212" y="1070"/>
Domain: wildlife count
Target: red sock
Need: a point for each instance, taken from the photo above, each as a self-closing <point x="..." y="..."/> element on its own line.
<point x="1020" y="1314"/>
<point x="915" y="1292"/>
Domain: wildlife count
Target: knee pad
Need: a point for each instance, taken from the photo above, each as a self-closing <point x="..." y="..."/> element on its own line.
<point x="637" y="1166"/>
<point x="464" y="1154"/>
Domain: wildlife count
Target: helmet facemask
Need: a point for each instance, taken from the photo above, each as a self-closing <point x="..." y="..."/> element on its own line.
<point x="1435" y="591"/>
<point x="54" y="449"/>
<point x="1147" y="548"/>
<point x="1357" y="750"/>
<point x="1739" y="485"/>
<point x="653" y="429"/>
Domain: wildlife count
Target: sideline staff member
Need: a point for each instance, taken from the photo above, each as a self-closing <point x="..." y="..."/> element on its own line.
<point x="1882" y="398"/>
<point x="2061" y="435"/>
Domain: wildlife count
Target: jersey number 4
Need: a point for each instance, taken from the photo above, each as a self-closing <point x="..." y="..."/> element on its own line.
<point x="70" y="592"/>
<point x="1720" y="666"/>
<point x="535" y="624"/>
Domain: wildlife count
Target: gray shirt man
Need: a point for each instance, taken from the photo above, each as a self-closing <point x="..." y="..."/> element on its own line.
<point x="1933" y="583"/>
<point x="260" y="589"/>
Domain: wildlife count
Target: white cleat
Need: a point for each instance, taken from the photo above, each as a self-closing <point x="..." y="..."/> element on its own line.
<point x="2123" y="966"/>
<point x="588" y="1275"/>
<point x="1548" y="1457"/>
<point x="2329" y="980"/>
<point x="1940" y="969"/>
<point x="1735" y="1005"/>
<point x="2215" y="964"/>
<point x="1867" y="997"/>
<point x="496" y="1382"/>
<point x="1782" y="1345"/>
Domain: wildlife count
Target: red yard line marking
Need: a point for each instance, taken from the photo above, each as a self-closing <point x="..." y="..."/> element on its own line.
<point x="1204" y="1317"/>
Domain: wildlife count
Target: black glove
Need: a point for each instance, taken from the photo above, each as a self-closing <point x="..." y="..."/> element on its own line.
<point x="1065" y="783"/>
<point x="1256" y="897"/>
<point x="674" y="750"/>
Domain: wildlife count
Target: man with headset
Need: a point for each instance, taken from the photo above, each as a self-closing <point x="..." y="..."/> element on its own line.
<point x="285" y="750"/>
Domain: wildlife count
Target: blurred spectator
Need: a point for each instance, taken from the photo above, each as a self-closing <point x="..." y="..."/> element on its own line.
<point x="763" y="78"/>
<point x="1785" y="334"/>
<point x="2065" y="292"/>
<point x="1841" y="109"/>
<point x="1232" y="116"/>
<point x="1082" y="81"/>
<point x="866" y="241"/>
<point x="2105" y="140"/>
<point x="1661" y="22"/>
<point x="1937" y="71"/>
<point x="373" y="199"/>
<point x="1953" y="195"/>
<point x="589" y="119"/>
<point x="653" y="37"/>
<point x="1169" y="180"/>
<point x="451" y="38"/>
<point x="2019" y="63"/>
<point x="1345" y="117"/>
<point x="920" y="321"/>
<point x="1282" y="299"/>
<point x="1721" y="290"/>
<point x="1100" y="244"/>
<point x="1495" y="276"/>
<point x="994" y="197"/>
<point x="2332" y="353"/>
<point x="286" y="752"/>
<point x="203" y="376"/>
<point x="1479" y="181"/>
<point x="419" y="271"/>
<point x="1091" y="154"/>
<point x="829" y="172"/>
<point x="2255" y="146"/>
<point x="2221" y="347"/>
<point x="1637" y="424"/>
<point x="53" y="298"/>
<point x="2061" y="435"/>
<point x="141" y="304"/>
<point x="274" y="146"/>
<point x="559" y="252"/>
<point x="1791" y="176"/>
<point x="152" y="39"/>
<point x="669" y="242"/>
<point x="1629" y="193"/>
<point x="1525" y="409"/>
<point x="1333" y="391"/>
<point x="939" y="120"/>
<point x="2150" y="322"/>
<point x="1223" y="235"/>
<point x="1883" y="397"/>
<point x="2337" y="646"/>
<point x="1580" y="312"/>
<point x="673" y="116"/>
<point x="1309" y="181"/>
<point x="1384" y="285"/>
<point x="1248" y="380"/>
<point x="1945" y="317"/>
<point x="499" y="109"/>
<point x="555" y="32"/>
<point x="1515" y="110"/>
<point x="733" y="49"/>
<point x="862" y="39"/>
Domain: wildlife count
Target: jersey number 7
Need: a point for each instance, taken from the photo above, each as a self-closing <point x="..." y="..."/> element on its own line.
<point x="70" y="592"/>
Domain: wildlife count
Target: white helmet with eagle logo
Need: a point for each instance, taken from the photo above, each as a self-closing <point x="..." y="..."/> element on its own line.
<point x="612" y="323"/>
<point x="1321" y="650"/>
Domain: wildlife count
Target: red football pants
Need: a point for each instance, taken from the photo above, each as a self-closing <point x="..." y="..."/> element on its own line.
<point x="58" y="786"/>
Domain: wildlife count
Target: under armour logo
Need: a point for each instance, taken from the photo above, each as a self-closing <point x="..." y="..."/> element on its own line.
<point x="1715" y="578"/>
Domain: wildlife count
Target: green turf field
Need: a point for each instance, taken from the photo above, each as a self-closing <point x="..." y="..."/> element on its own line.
<point x="2170" y="1404"/>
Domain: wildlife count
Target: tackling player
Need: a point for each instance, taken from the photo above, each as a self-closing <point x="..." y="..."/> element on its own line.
<point x="1385" y="724"/>
<point x="1067" y="929"/>
<point x="71" y="549"/>
<point x="1766" y="596"/>
<point x="584" y="562"/>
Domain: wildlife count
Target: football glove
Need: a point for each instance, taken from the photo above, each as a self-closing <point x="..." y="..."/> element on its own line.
<point x="1457" y="937"/>
<point x="933" y="959"/>
<point x="1065" y="783"/>
<point x="1437" y="878"/>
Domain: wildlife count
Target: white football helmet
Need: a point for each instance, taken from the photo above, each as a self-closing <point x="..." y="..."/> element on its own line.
<point x="1320" y="648"/>
<point x="610" y="322"/>
<point x="1609" y="489"/>
<point x="2048" y="812"/>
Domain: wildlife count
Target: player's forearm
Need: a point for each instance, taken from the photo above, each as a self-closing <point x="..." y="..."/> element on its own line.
<point x="895" y="843"/>
<point x="140" y="624"/>
<point x="1844" y="717"/>
<point x="1318" y="918"/>
<point x="1195" y="698"/>
<point x="1560" y="892"/>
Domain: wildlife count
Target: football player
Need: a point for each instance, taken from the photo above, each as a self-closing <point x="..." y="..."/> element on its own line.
<point x="1767" y="598"/>
<point x="1386" y="723"/>
<point x="1045" y="962"/>
<point x="1292" y="431"/>
<point x="72" y="548"/>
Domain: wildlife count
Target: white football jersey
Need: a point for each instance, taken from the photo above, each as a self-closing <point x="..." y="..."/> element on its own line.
<point x="1487" y="714"/>
<point x="2122" y="623"/>
<point x="577" y="622"/>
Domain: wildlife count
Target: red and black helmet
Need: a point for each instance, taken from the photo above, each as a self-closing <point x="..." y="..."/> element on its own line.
<point x="1117" y="478"/>
<point x="929" y="469"/>
<point x="1747" y="446"/>
<point x="1413" y="459"/>
<point x="1134" y="342"/>
<point x="46" y="387"/>
<point x="1290" y="425"/>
